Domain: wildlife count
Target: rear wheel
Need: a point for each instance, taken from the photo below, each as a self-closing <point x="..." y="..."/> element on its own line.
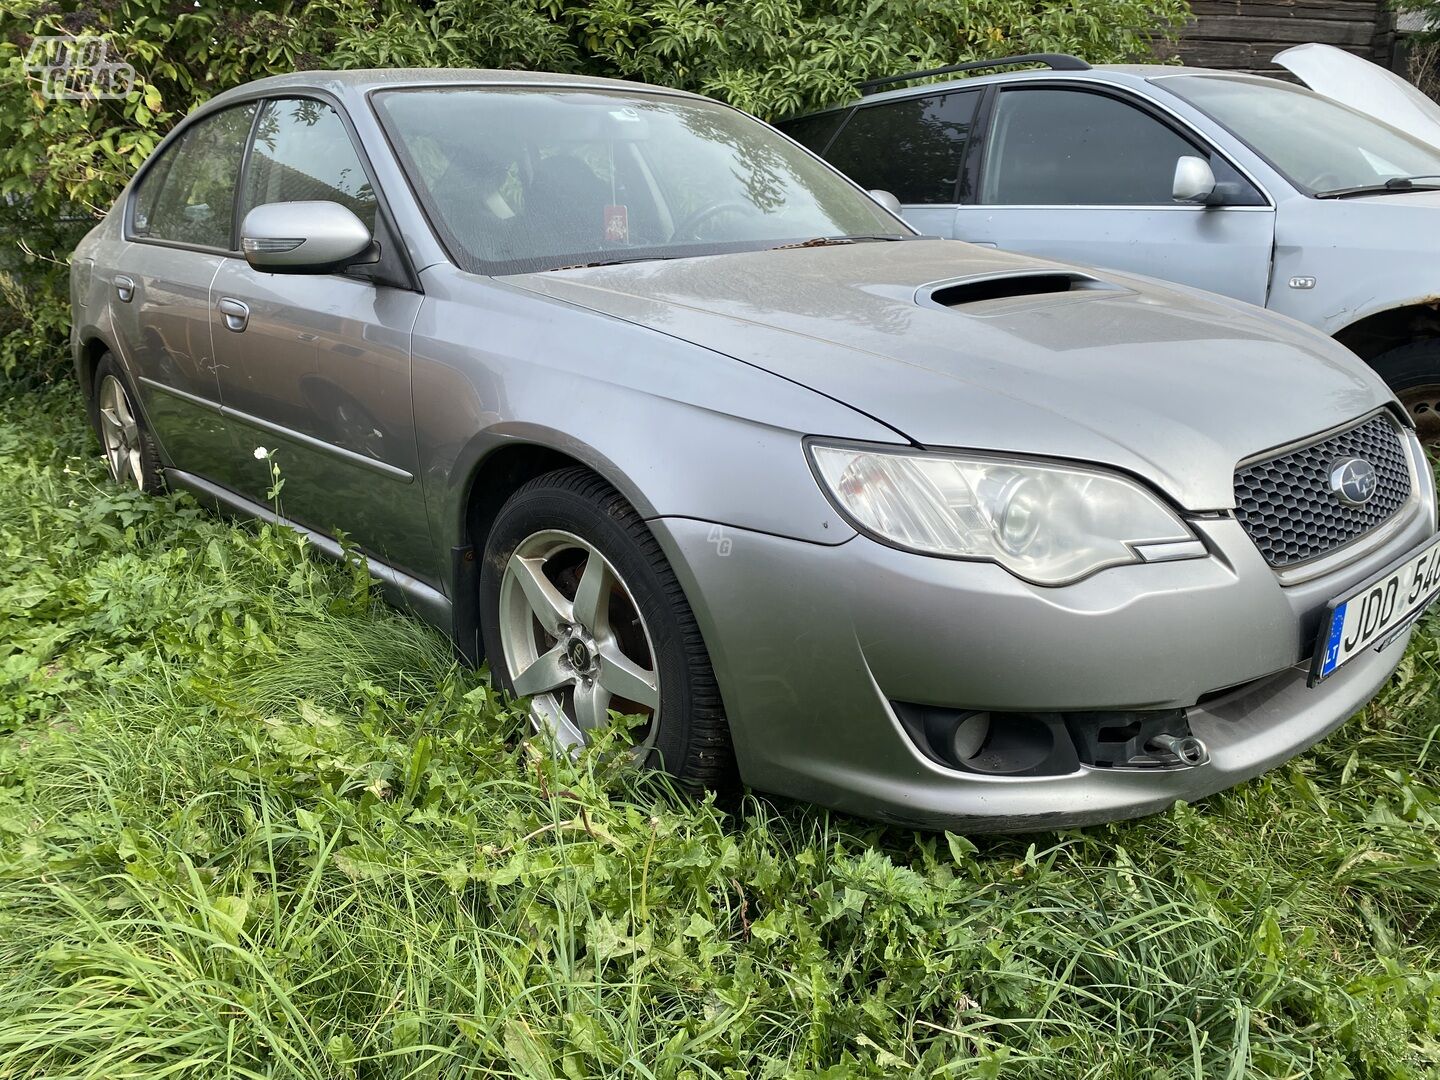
<point x="130" y="453"/>
<point x="582" y="615"/>
<point x="1413" y="372"/>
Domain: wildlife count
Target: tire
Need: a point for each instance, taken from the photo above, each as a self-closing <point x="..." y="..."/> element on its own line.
<point x="1413" y="372"/>
<point x="546" y="525"/>
<point x="129" y="448"/>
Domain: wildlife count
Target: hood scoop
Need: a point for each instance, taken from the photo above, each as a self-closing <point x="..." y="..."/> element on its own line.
<point x="1020" y="289"/>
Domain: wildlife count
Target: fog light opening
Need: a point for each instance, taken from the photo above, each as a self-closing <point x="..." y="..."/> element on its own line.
<point x="969" y="736"/>
<point x="991" y="743"/>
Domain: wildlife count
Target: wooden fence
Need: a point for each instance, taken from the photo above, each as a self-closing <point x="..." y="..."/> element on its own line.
<point x="1243" y="35"/>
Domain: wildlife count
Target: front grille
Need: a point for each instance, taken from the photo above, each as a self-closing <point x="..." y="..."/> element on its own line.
<point x="1286" y="504"/>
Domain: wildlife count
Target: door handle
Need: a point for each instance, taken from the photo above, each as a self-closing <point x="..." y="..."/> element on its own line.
<point x="236" y="314"/>
<point x="124" y="287"/>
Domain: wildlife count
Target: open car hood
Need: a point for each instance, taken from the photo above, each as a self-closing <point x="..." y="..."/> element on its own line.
<point x="1366" y="87"/>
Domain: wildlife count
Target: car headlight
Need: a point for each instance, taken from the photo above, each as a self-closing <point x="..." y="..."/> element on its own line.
<point x="1049" y="524"/>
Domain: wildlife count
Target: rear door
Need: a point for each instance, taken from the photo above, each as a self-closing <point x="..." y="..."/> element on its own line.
<point x="315" y="368"/>
<point x="915" y="149"/>
<point x="1085" y="174"/>
<point x="180" y="228"/>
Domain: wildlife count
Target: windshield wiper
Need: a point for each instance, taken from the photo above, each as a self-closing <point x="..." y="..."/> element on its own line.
<point x="609" y="262"/>
<point x="814" y="241"/>
<point x="1389" y="187"/>
<point x="831" y="241"/>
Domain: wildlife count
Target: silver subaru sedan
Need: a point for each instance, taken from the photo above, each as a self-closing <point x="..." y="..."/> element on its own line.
<point x="680" y="430"/>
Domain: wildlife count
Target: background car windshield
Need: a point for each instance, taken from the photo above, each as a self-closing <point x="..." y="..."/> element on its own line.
<point x="517" y="181"/>
<point x="1320" y="145"/>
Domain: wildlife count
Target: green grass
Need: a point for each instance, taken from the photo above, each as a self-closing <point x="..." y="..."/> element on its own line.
<point x="254" y="823"/>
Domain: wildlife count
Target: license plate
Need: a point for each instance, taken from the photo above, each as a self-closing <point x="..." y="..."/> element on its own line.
<point x="1378" y="610"/>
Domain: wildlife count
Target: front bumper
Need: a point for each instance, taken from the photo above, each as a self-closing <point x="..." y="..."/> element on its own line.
<point x="811" y="644"/>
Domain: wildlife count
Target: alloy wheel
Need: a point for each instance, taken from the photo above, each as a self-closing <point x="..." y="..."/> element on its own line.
<point x="574" y="641"/>
<point x="120" y="434"/>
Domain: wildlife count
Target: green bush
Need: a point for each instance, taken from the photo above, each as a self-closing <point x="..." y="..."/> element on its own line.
<point x="63" y="158"/>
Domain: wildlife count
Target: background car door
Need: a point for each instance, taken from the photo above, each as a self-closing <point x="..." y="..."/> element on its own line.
<point x="913" y="148"/>
<point x="1082" y="175"/>
<point x="181" y="219"/>
<point x="316" y="367"/>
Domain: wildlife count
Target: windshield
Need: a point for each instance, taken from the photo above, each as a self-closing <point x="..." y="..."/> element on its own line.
<point x="1319" y="145"/>
<point x="524" y="180"/>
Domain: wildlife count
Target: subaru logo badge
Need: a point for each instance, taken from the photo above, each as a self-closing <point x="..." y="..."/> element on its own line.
<point x="1353" y="480"/>
<point x="579" y="655"/>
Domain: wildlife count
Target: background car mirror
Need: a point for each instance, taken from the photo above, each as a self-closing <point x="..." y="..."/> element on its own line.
<point x="887" y="200"/>
<point x="305" y="238"/>
<point x="1194" y="181"/>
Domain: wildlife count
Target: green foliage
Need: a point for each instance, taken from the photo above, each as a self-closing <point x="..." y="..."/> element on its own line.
<point x="253" y="824"/>
<point x="71" y="157"/>
<point x="1430" y="9"/>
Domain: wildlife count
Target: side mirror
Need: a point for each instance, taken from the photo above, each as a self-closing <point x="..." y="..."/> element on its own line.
<point x="305" y="238"/>
<point x="887" y="200"/>
<point x="1194" y="181"/>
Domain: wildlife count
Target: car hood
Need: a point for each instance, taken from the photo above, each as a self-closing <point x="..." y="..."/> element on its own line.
<point x="1164" y="382"/>
<point x="1366" y="87"/>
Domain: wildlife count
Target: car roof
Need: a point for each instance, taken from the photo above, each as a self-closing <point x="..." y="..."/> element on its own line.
<point x="364" y="80"/>
<point x="1125" y="74"/>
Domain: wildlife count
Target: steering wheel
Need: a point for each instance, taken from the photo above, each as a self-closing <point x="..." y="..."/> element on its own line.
<point x="687" y="227"/>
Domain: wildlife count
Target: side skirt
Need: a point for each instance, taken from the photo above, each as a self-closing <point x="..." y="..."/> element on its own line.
<point x="398" y="587"/>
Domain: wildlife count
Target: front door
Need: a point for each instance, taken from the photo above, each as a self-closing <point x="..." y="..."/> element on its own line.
<point x="1086" y="176"/>
<point x="314" y="369"/>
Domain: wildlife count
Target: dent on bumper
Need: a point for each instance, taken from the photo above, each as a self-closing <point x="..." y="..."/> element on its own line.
<point x="810" y="643"/>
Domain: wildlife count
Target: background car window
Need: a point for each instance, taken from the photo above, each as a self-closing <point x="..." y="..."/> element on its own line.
<point x="814" y="132"/>
<point x="303" y="152"/>
<point x="910" y="148"/>
<point x="188" y="196"/>
<point x="1069" y="147"/>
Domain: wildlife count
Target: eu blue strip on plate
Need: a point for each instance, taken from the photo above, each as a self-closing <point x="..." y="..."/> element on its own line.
<point x="1332" y="647"/>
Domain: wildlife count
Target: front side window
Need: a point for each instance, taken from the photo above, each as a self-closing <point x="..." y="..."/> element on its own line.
<point x="188" y="196"/>
<point x="911" y="148"/>
<point x="1072" y="148"/>
<point x="1318" y="144"/>
<point x="523" y="180"/>
<point x="303" y="152"/>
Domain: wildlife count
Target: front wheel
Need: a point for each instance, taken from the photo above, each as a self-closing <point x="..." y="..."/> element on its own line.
<point x="1413" y="372"/>
<point x="582" y="615"/>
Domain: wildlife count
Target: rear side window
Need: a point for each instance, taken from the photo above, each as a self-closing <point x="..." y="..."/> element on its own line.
<point x="813" y="132"/>
<point x="188" y="196"/>
<point x="302" y="153"/>
<point x="910" y="148"/>
<point x="1070" y="147"/>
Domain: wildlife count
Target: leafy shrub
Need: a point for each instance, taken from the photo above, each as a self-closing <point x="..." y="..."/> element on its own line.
<point x="768" y="56"/>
